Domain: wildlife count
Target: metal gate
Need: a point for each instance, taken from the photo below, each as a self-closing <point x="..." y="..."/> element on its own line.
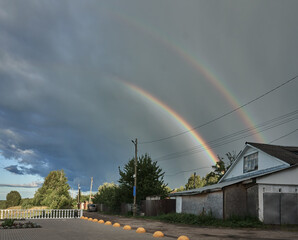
<point x="280" y="208"/>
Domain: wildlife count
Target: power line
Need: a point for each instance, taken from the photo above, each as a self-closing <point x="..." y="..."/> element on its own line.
<point x="180" y="172"/>
<point x="223" y="143"/>
<point x="223" y="115"/>
<point x="284" y="136"/>
<point x="174" y="174"/>
<point x="283" y="119"/>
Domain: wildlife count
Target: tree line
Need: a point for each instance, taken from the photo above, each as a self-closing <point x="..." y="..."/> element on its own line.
<point x="54" y="193"/>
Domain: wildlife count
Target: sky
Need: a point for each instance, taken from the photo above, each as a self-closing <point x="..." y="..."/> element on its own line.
<point x="80" y="79"/>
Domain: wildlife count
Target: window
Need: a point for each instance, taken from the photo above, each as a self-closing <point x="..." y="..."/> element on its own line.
<point x="250" y="163"/>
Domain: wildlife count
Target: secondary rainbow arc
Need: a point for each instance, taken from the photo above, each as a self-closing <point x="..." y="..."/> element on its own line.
<point x="195" y="63"/>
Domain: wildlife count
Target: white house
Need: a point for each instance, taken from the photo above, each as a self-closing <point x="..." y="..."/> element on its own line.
<point x="262" y="182"/>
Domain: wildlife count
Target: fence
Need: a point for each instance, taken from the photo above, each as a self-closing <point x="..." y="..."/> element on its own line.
<point x="158" y="207"/>
<point x="40" y="213"/>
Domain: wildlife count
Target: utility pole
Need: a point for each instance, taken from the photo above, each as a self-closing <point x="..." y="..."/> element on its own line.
<point x="135" y="178"/>
<point x="79" y="197"/>
<point x="90" y="189"/>
<point x="194" y="180"/>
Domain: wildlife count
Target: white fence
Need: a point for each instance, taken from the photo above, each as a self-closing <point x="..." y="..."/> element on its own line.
<point x="40" y="213"/>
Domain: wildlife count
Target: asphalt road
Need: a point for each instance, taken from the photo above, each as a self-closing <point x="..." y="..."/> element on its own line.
<point x="73" y="229"/>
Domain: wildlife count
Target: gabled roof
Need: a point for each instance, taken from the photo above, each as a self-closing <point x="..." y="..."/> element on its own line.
<point x="287" y="155"/>
<point x="284" y="153"/>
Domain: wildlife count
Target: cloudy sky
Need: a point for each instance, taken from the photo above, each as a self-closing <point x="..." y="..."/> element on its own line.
<point x="80" y="79"/>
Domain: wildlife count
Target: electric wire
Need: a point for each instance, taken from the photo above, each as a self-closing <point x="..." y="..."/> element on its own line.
<point x="180" y="172"/>
<point x="283" y="119"/>
<point x="223" y="115"/>
<point x="284" y="135"/>
<point x="177" y="173"/>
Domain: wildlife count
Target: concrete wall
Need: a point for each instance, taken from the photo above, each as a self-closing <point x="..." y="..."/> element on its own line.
<point x="252" y="201"/>
<point x="209" y="202"/>
<point x="235" y="201"/>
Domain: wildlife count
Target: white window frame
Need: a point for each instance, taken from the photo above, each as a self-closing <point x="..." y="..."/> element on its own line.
<point x="251" y="162"/>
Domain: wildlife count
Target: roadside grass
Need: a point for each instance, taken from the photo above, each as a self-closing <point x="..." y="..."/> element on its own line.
<point x="207" y="220"/>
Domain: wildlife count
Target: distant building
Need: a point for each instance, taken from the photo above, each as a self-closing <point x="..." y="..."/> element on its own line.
<point x="262" y="182"/>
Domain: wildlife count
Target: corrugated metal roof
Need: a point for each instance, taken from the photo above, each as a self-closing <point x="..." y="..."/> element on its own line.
<point x="220" y="186"/>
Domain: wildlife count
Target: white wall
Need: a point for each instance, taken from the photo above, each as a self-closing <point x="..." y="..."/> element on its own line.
<point x="178" y="204"/>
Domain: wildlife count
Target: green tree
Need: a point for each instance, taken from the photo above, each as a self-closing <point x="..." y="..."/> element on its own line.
<point x="27" y="203"/>
<point x="108" y="194"/>
<point x="191" y="184"/>
<point x="180" y="189"/>
<point x="54" y="192"/>
<point x="149" y="180"/>
<point x="220" y="168"/>
<point x="13" y="199"/>
<point x="2" y="204"/>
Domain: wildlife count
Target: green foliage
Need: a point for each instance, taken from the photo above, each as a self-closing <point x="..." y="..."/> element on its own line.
<point x="219" y="169"/>
<point x="2" y="204"/>
<point x="54" y="192"/>
<point x="27" y="203"/>
<point x="199" y="182"/>
<point x="180" y="189"/>
<point x="8" y="223"/>
<point x="109" y="195"/>
<point x="209" y="220"/>
<point x="13" y="199"/>
<point x="83" y="198"/>
<point x="149" y="180"/>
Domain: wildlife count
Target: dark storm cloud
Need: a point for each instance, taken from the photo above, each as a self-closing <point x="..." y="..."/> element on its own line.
<point x="14" y="169"/>
<point x="61" y="107"/>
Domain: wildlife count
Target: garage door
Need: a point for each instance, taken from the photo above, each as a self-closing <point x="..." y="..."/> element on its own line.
<point x="280" y="208"/>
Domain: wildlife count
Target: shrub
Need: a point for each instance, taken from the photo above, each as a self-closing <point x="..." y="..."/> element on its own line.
<point x="13" y="199"/>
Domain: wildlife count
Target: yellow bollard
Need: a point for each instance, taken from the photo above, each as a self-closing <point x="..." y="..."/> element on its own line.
<point x="158" y="234"/>
<point x="101" y="221"/>
<point x="183" y="238"/>
<point x="127" y="227"/>
<point x="108" y="223"/>
<point x="141" y="230"/>
<point x="116" y="225"/>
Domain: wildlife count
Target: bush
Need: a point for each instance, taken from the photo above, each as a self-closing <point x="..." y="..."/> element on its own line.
<point x="8" y="223"/>
<point x="13" y="199"/>
<point x="2" y="204"/>
<point x="27" y="203"/>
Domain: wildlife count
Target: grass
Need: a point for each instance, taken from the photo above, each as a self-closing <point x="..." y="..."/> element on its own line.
<point x="207" y="220"/>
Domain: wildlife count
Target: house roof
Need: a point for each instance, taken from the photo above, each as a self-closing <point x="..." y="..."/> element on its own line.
<point x="284" y="153"/>
<point x="221" y="185"/>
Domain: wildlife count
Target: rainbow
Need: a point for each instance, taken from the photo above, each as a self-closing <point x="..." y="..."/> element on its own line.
<point x="175" y="115"/>
<point x="195" y="64"/>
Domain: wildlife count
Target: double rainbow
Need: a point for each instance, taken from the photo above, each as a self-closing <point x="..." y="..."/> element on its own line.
<point x="191" y="60"/>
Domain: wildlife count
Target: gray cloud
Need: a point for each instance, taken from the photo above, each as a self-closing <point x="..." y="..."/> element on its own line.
<point x="14" y="169"/>
<point x="29" y="185"/>
<point x="62" y="107"/>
